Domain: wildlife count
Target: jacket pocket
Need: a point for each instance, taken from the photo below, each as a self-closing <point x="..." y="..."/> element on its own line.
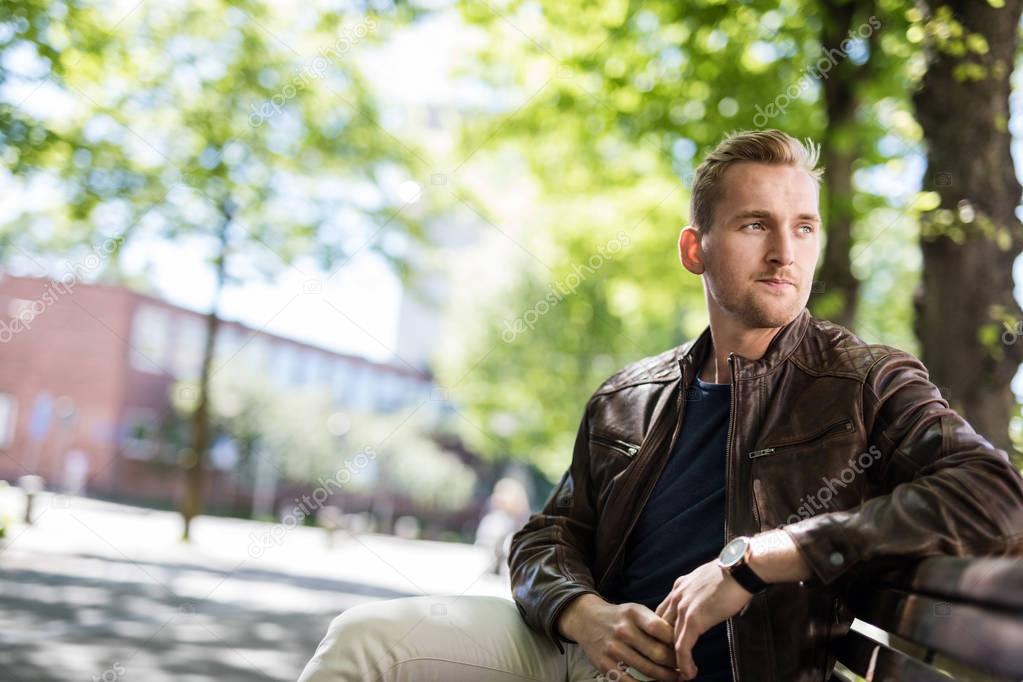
<point x="835" y="428"/>
<point x="609" y="457"/>
<point x="615" y="444"/>
<point x="795" y="478"/>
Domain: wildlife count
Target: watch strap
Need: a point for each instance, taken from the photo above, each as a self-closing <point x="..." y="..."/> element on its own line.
<point x="749" y="580"/>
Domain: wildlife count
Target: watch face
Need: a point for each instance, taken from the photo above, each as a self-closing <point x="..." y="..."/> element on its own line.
<point x="733" y="551"/>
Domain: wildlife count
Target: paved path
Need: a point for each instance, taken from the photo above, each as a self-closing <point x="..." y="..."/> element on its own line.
<point x="97" y="591"/>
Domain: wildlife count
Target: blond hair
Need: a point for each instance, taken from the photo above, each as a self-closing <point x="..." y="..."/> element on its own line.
<point x="764" y="146"/>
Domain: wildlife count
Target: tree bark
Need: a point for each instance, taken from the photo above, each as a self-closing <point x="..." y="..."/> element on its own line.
<point x="195" y="468"/>
<point x="965" y="299"/>
<point x="836" y="291"/>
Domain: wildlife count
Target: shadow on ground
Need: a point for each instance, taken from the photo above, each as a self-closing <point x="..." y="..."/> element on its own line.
<point x="90" y="617"/>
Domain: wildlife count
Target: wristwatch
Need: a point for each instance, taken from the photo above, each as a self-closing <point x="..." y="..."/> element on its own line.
<point x="734" y="560"/>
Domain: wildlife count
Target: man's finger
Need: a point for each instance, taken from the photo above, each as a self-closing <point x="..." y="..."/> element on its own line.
<point x="647" y="669"/>
<point x="658" y="628"/>
<point x="664" y="606"/>
<point x="641" y="677"/>
<point x="684" y="650"/>
<point x="654" y="650"/>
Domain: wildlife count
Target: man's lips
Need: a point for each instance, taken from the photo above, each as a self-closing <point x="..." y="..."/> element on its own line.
<point x="776" y="281"/>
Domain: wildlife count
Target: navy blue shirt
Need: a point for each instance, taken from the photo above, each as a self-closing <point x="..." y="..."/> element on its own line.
<point x="682" y="525"/>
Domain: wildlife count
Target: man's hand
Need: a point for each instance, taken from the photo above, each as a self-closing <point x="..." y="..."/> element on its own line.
<point x="699" y="601"/>
<point x="702" y="599"/>
<point x="629" y="633"/>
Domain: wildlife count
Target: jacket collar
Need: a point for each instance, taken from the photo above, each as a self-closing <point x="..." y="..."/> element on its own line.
<point x="694" y="353"/>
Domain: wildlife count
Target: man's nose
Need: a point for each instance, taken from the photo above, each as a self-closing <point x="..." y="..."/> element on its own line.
<point x="781" y="250"/>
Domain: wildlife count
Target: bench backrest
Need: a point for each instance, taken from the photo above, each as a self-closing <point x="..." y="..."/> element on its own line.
<point x="948" y="615"/>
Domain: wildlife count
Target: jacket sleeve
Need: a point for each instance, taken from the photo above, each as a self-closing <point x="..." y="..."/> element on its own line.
<point x="946" y="490"/>
<point x="550" y="556"/>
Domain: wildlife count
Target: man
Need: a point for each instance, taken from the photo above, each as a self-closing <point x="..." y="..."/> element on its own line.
<point x="722" y="494"/>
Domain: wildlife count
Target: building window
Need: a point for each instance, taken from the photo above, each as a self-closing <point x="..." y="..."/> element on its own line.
<point x="8" y="418"/>
<point x="286" y="362"/>
<point x="391" y="389"/>
<point x="255" y="353"/>
<point x="188" y="347"/>
<point x="140" y="436"/>
<point x="307" y="367"/>
<point x="227" y="344"/>
<point x="149" y="339"/>
<point x="339" y="379"/>
<point x="362" y="389"/>
<point x="21" y="308"/>
<point x="318" y="370"/>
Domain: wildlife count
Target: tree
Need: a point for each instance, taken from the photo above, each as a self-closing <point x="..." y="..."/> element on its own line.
<point x="854" y="68"/>
<point x="278" y="432"/>
<point x="262" y="148"/>
<point x="615" y="104"/>
<point x="970" y="234"/>
<point x="302" y="438"/>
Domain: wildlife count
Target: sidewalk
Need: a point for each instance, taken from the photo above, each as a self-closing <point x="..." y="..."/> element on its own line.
<point x="99" y="591"/>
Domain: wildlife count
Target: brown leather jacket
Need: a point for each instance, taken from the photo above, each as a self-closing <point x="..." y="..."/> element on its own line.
<point x="847" y="445"/>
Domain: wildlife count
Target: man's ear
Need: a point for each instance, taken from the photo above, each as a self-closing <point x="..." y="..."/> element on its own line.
<point x="690" y="253"/>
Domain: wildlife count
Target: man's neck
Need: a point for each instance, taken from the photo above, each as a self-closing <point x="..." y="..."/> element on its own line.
<point x="750" y="344"/>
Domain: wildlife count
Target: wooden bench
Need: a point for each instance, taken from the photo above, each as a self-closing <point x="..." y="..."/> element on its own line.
<point x="946" y="618"/>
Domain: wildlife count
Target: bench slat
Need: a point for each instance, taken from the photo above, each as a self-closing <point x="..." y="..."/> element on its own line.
<point x="990" y="640"/>
<point x="875" y="661"/>
<point x="992" y="581"/>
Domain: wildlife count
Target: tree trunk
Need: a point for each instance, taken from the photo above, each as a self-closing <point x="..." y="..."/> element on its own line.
<point x="195" y="468"/>
<point x="836" y="290"/>
<point x="969" y="242"/>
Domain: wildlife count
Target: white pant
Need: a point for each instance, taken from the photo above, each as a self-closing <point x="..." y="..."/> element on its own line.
<point x="443" y="638"/>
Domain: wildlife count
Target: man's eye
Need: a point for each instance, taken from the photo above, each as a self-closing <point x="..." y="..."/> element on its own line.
<point x="811" y="228"/>
<point x="756" y="223"/>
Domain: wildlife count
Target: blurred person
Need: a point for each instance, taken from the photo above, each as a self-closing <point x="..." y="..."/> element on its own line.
<point x="723" y="493"/>
<point x="509" y="510"/>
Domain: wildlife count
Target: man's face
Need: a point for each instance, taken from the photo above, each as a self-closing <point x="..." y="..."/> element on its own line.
<point x="766" y="226"/>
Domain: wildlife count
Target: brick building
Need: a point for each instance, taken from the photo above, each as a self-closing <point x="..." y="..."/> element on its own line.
<point x="86" y="372"/>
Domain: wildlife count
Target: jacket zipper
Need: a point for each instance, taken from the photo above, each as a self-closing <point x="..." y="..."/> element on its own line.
<point x="844" y="425"/>
<point x="627" y="449"/>
<point x="728" y="477"/>
<point x="612" y="565"/>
